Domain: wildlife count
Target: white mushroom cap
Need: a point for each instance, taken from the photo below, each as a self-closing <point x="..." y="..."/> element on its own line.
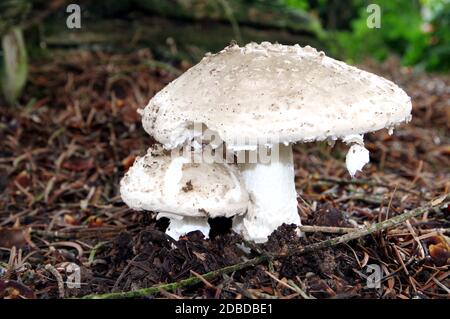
<point x="157" y="182"/>
<point x="271" y="91"/>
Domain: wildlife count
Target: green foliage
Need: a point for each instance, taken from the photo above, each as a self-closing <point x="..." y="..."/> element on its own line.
<point x="288" y="14"/>
<point x="436" y="55"/>
<point x="400" y="26"/>
<point x="13" y="65"/>
<point x="296" y="4"/>
<point x="13" y="53"/>
<point x="403" y="31"/>
<point x="12" y="13"/>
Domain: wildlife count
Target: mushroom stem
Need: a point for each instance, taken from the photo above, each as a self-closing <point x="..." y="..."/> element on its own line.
<point x="181" y="225"/>
<point x="273" y="198"/>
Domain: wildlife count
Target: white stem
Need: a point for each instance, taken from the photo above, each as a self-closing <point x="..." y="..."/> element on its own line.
<point x="181" y="225"/>
<point x="273" y="198"/>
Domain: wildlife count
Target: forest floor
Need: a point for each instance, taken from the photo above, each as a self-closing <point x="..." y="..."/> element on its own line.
<point x="63" y="153"/>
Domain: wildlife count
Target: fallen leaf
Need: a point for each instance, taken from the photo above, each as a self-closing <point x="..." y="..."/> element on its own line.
<point x="70" y="220"/>
<point x="439" y="249"/>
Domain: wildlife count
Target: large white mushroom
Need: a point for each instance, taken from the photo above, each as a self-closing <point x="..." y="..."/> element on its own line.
<point x="273" y="95"/>
<point x="186" y="192"/>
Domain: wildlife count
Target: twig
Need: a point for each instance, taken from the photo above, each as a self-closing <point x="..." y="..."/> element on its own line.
<point x="290" y="285"/>
<point x="206" y="282"/>
<point x="58" y="277"/>
<point x="326" y="229"/>
<point x="100" y="232"/>
<point x="257" y="260"/>
<point x="180" y="284"/>
<point x="300" y="291"/>
<point x="374" y="200"/>
<point x="437" y="282"/>
<point x="122" y="274"/>
<point x="435" y="230"/>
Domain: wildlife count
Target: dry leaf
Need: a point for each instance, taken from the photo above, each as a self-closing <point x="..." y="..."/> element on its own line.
<point x="70" y="220"/>
<point x="439" y="249"/>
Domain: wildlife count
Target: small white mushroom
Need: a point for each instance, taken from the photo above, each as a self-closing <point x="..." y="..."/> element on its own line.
<point x="357" y="155"/>
<point x="181" y="225"/>
<point x="272" y="94"/>
<point x="187" y="193"/>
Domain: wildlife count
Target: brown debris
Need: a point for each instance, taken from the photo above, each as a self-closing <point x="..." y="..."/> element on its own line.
<point x="11" y="289"/>
<point x="188" y="187"/>
<point x="15" y="237"/>
<point x="439" y="248"/>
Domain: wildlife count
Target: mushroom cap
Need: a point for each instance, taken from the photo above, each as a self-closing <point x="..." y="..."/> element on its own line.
<point x="273" y="93"/>
<point x="177" y="186"/>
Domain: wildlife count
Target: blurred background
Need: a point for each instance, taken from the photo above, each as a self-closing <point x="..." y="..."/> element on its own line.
<point x="179" y="32"/>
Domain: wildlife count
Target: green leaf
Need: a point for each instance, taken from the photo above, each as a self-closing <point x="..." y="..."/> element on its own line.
<point x="13" y="65"/>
